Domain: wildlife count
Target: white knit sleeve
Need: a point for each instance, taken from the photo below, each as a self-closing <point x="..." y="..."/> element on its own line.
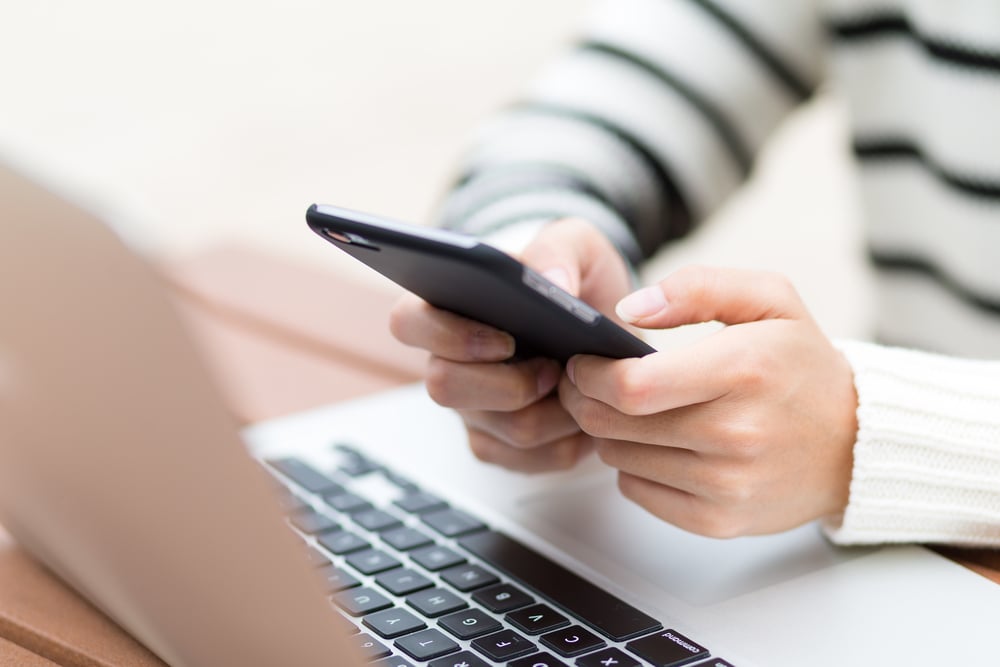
<point x="927" y="456"/>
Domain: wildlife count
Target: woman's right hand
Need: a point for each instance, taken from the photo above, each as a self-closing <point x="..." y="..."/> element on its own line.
<point x="513" y="416"/>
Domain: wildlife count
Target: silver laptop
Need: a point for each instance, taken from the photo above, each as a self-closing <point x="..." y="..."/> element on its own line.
<point x="121" y="470"/>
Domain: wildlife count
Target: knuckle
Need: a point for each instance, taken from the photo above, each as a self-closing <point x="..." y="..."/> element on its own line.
<point x="594" y="418"/>
<point x="718" y="522"/>
<point x="631" y="390"/>
<point x="524" y="428"/>
<point x="439" y="383"/>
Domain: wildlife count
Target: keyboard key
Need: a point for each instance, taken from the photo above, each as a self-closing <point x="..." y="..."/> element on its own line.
<point x="404" y="539"/>
<point x="356" y="465"/>
<point x="369" y="648"/>
<point x="402" y="581"/>
<point x="667" y="648"/>
<point x="419" y="502"/>
<point x="573" y="640"/>
<point x="292" y="504"/>
<point x="426" y="645"/>
<point x="609" y="657"/>
<point x="452" y="522"/>
<point x="503" y="598"/>
<point x="360" y="601"/>
<point x="338" y="580"/>
<point x="436" y="558"/>
<point x="372" y="561"/>
<point x="716" y="662"/>
<point x="538" y="660"/>
<point x="611" y="616"/>
<point x="304" y="475"/>
<point x="470" y="624"/>
<point x="313" y="522"/>
<point x="342" y="542"/>
<point x="392" y="623"/>
<point x="315" y="557"/>
<point x="435" y="602"/>
<point x="404" y="484"/>
<point x="468" y="577"/>
<point x="347" y="503"/>
<point x="463" y="659"/>
<point x="503" y="646"/>
<point x="376" y="520"/>
<point x="394" y="661"/>
<point x="536" y="619"/>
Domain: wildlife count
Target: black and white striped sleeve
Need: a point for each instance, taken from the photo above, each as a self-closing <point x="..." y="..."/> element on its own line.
<point x="647" y="124"/>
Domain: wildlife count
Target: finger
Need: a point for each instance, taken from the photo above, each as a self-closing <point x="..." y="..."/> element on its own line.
<point x="679" y="508"/>
<point x="659" y="381"/>
<point x="577" y="257"/>
<point x="417" y="323"/>
<point x="490" y="386"/>
<point x="702" y="294"/>
<point x="559" y="455"/>
<point x="534" y="426"/>
<point x="703" y="427"/>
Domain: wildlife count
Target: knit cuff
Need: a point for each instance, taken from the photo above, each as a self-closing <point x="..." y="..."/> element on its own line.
<point x="927" y="456"/>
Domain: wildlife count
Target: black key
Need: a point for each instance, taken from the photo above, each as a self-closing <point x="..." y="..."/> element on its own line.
<point x="716" y="662"/>
<point x="503" y="598"/>
<point x="369" y="648"/>
<point x="313" y="522"/>
<point x="394" y="661"/>
<point x="436" y="558"/>
<point x="463" y="659"/>
<point x="360" y="601"/>
<point x="292" y="504"/>
<point x="468" y="577"/>
<point x="536" y="619"/>
<point x="419" y="502"/>
<point x="316" y="557"/>
<point x="538" y="660"/>
<point x="503" y="646"/>
<point x="347" y="503"/>
<point x="470" y="624"/>
<point x="404" y="539"/>
<point x="344" y="626"/>
<point x="304" y="475"/>
<point x="376" y="520"/>
<point x="355" y="465"/>
<point x="611" y="616"/>
<point x="667" y="648"/>
<point x="435" y="602"/>
<point x="403" y="483"/>
<point x="402" y="581"/>
<point x="372" y="561"/>
<point x="573" y="640"/>
<point x="342" y="542"/>
<point x="609" y="657"/>
<point x="392" y="623"/>
<point x="338" y="580"/>
<point x="426" y="645"/>
<point x="452" y="522"/>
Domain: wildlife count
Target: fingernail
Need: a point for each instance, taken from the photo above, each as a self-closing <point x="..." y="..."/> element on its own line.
<point x="492" y="345"/>
<point x="558" y="276"/>
<point x="571" y="369"/>
<point x="548" y="377"/>
<point x="641" y="304"/>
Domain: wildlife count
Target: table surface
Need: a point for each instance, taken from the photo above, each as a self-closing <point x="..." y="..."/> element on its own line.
<point x="275" y="349"/>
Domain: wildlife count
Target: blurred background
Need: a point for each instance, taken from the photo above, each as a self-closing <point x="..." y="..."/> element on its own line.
<point x="196" y="124"/>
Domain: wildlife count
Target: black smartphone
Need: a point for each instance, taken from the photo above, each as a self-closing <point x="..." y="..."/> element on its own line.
<point x="458" y="273"/>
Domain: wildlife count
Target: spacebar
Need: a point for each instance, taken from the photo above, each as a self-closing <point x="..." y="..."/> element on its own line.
<point x="605" y="612"/>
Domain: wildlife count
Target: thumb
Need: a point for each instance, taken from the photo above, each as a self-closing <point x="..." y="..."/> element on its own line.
<point x="702" y="294"/>
<point x="559" y="253"/>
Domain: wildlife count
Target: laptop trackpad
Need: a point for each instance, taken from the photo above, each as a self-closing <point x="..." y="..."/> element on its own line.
<point x="593" y="519"/>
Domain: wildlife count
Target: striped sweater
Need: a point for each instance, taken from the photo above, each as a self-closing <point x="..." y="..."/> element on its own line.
<point x="655" y="117"/>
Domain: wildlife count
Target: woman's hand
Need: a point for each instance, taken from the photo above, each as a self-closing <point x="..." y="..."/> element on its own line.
<point x="749" y="431"/>
<point x="512" y="414"/>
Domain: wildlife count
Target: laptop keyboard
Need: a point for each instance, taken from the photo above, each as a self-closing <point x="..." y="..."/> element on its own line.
<point x="420" y="582"/>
